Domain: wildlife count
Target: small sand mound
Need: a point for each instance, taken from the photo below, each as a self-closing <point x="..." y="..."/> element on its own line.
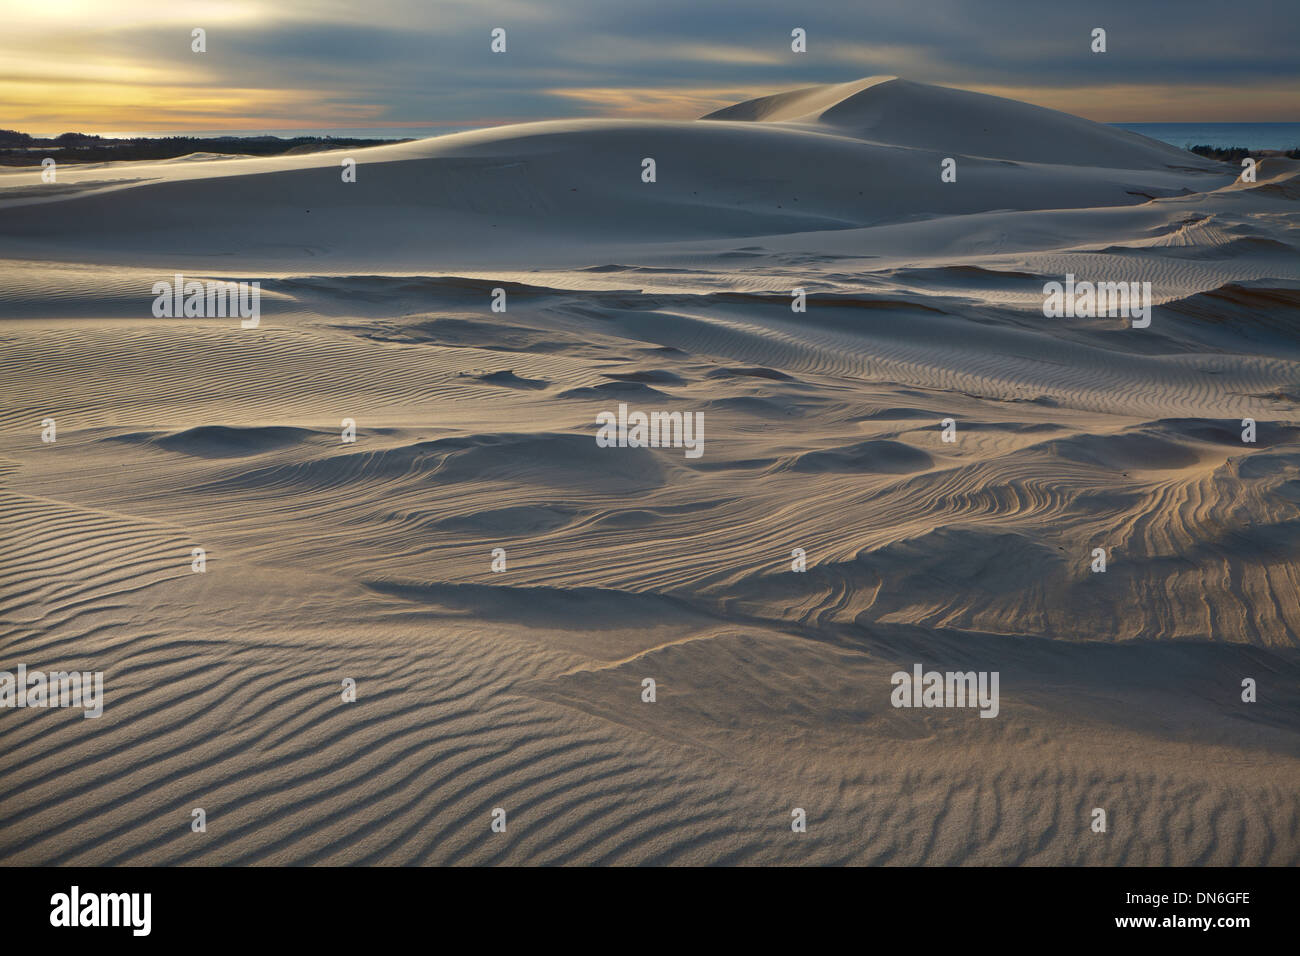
<point x="224" y="441"/>
<point x="875" y="457"/>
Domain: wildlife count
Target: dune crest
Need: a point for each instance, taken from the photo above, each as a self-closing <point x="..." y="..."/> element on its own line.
<point x="899" y="112"/>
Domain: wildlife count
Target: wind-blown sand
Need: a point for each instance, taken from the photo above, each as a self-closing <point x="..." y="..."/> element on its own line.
<point x="476" y="430"/>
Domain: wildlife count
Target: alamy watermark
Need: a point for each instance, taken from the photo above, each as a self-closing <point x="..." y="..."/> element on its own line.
<point x="651" y="430"/>
<point x="952" y="689"/>
<point x="26" y="688"/>
<point x="1131" y="300"/>
<point x="212" y="300"/>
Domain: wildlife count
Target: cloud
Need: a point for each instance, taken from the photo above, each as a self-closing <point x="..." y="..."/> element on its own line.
<point x="89" y="65"/>
<point x="664" y="103"/>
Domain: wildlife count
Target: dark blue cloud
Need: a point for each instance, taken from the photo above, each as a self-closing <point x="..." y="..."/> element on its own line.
<point x="418" y="62"/>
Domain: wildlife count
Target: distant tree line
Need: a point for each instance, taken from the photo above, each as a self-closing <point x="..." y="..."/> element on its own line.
<point x="22" y="149"/>
<point x="1236" y="154"/>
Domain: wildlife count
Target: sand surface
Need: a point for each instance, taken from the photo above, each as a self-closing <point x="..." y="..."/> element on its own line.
<point x="476" y="430"/>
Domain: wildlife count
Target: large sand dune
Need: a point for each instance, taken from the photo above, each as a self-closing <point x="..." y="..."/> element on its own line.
<point x="476" y="430"/>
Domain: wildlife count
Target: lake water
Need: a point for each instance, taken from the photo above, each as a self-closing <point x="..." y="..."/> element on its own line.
<point x="1222" y="135"/>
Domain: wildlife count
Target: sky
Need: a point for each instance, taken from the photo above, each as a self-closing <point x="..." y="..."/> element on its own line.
<point x="102" y="66"/>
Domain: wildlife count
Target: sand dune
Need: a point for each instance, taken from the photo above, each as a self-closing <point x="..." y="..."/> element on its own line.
<point x="487" y="197"/>
<point x="476" y="429"/>
<point x="901" y="113"/>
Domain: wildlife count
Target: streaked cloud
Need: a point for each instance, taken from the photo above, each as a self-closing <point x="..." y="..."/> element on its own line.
<point x="91" y="65"/>
<point x="669" y="103"/>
